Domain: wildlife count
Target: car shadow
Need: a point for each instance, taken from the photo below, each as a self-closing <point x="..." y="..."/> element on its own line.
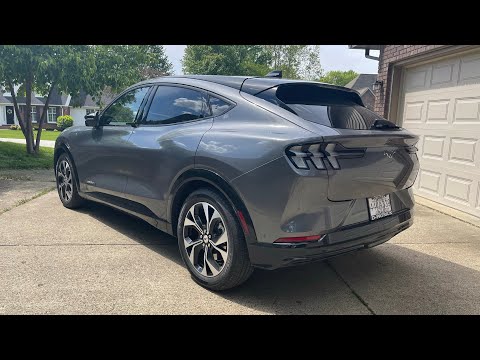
<point x="388" y="279"/>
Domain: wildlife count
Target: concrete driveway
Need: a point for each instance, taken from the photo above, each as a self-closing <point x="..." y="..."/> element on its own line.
<point x="100" y="261"/>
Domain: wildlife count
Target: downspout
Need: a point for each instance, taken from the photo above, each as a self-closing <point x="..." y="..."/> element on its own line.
<point x="368" y="56"/>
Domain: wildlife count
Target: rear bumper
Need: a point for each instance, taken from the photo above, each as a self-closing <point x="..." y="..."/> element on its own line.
<point x="345" y="239"/>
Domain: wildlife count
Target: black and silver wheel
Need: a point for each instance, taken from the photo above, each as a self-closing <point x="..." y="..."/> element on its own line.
<point x="66" y="186"/>
<point x="211" y="241"/>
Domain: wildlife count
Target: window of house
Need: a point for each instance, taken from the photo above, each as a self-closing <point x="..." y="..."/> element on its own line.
<point x="124" y="110"/>
<point x="176" y="104"/>
<point x="33" y="114"/>
<point x="52" y="115"/>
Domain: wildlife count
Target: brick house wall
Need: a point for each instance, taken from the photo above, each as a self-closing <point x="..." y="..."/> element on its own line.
<point x="389" y="55"/>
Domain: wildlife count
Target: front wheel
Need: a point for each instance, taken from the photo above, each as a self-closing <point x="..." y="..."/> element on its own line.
<point x="66" y="185"/>
<point x="211" y="241"/>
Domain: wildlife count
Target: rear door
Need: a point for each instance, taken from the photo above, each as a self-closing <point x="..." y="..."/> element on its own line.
<point x="366" y="155"/>
<point x="165" y="142"/>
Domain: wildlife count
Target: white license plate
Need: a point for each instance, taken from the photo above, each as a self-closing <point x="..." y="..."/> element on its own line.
<point x="380" y="206"/>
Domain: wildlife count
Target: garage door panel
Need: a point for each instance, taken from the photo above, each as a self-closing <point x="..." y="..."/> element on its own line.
<point x="417" y="79"/>
<point x="437" y="111"/>
<point x="458" y="189"/>
<point x="429" y="181"/>
<point x="444" y="74"/>
<point x="413" y="112"/>
<point x="463" y="151"/>
<point x="433" y="147"/>
<point x="467" y="111"/>
<point x="469" y="72"/>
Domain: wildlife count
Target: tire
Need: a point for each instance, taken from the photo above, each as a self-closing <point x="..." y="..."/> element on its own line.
<point x="212" y="272"/>
<point x="66" y="185"/>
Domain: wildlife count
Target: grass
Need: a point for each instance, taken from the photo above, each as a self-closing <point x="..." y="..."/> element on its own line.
<point x="14" y="156"/>
<point x="17" y="134"/>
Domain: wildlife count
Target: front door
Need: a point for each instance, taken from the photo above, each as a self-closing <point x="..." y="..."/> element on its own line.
<point x="10" y="115"/>
<point x="100" y="160"/>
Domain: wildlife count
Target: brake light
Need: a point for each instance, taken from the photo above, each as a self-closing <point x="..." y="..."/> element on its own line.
<point x="320" y="154"/>
<point x="298" y="239"/>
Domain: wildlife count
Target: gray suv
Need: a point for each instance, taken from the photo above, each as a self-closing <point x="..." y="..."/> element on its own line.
<point x="246" y="172"/>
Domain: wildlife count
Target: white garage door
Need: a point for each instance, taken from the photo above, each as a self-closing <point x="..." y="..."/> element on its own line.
<point x="78" y="115"/>
<point x="441" y="103"/>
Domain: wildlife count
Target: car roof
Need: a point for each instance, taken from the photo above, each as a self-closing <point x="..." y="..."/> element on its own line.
<point x="250" y="84"/>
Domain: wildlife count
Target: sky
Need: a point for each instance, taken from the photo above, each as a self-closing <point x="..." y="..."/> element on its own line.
<point x="332" y="57"/>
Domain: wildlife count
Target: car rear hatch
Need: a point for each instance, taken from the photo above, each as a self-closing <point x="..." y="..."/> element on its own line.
<point x="365" y="156"/>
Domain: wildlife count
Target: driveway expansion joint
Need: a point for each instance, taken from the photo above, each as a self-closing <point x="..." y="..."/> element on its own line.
<point x="364" y="303"/>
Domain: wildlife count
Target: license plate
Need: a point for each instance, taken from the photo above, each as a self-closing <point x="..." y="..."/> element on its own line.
<point x="380" y="206"/>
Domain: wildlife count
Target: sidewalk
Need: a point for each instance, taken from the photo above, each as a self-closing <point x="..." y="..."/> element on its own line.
<point x="44" y="143"/>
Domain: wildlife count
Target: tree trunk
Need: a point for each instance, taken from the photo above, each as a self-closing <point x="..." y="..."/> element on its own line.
<point x="42" y="119"/>
<point x="28" y="115"/>
<point x="15" y="105"/>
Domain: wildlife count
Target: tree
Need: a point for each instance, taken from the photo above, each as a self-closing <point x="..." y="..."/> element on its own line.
<point x="337" y="77"/>
<point x="296" y="61"/>
<point x="70" y="69"/>
<point x="225" y="60"/>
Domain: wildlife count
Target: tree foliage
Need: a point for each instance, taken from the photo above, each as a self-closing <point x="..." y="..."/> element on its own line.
<point x="337" y="77"/>
<point x="71" y="68"/>
<point x="296" y="61"/>
<point x="225" y="60"/>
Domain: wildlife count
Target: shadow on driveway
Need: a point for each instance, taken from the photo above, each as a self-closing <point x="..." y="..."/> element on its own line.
<point x="389" y="279"/>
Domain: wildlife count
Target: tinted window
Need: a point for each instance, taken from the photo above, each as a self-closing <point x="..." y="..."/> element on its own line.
<point x="124" y="109"/>
<point x="325" y="106"/>
<point x="218" y="106"/>
<point x="176" y="104"/>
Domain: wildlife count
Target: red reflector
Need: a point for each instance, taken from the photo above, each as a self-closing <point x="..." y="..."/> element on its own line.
<point x="243" y="222"/>
<point x="298" y="239"/>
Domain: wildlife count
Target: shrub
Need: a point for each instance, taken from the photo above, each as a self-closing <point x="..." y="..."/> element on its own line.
<point x="15" y="127"/>
<point x="64" y="122"/>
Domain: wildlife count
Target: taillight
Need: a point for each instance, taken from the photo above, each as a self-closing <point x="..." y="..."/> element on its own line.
<point x="317" y="154"/>
<point x="300" y="154"/>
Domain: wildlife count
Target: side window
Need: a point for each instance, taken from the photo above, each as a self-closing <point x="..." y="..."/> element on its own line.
<point x="218" y="106"/>
<point x="124" y="109"/>
<point x="176" y="104"/>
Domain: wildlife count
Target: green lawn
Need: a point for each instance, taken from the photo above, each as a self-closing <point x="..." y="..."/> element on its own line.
<point x="17" y="134"/>
<point x="14" y="156"/>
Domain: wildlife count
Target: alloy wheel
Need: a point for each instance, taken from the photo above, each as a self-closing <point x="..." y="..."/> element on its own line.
<point x="64" y="180"/>
<point x="205" y="239"/>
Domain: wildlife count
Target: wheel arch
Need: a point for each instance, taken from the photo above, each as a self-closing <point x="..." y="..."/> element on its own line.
<point x="194" y="179"/>
<point x="64" y="149"/>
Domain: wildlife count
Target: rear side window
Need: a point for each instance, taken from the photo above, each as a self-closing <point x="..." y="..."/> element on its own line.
<point x="176" y="104"/>
<point x="218" y="106"/>
<point x="325" y="106"/>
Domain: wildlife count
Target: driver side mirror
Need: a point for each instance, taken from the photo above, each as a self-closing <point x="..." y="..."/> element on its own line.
<point x="92" y="119"/>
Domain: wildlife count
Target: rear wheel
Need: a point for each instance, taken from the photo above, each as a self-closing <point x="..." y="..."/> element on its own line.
<point x="211" y="241"/>
<point x="66" y="185"/>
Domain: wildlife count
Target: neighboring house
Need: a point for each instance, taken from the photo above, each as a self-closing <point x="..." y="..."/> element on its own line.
<point x="363" y="83"/>
<point x="59" y="105"/>
<point x="84" y="104"/>
<point x="434" y="91"/>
